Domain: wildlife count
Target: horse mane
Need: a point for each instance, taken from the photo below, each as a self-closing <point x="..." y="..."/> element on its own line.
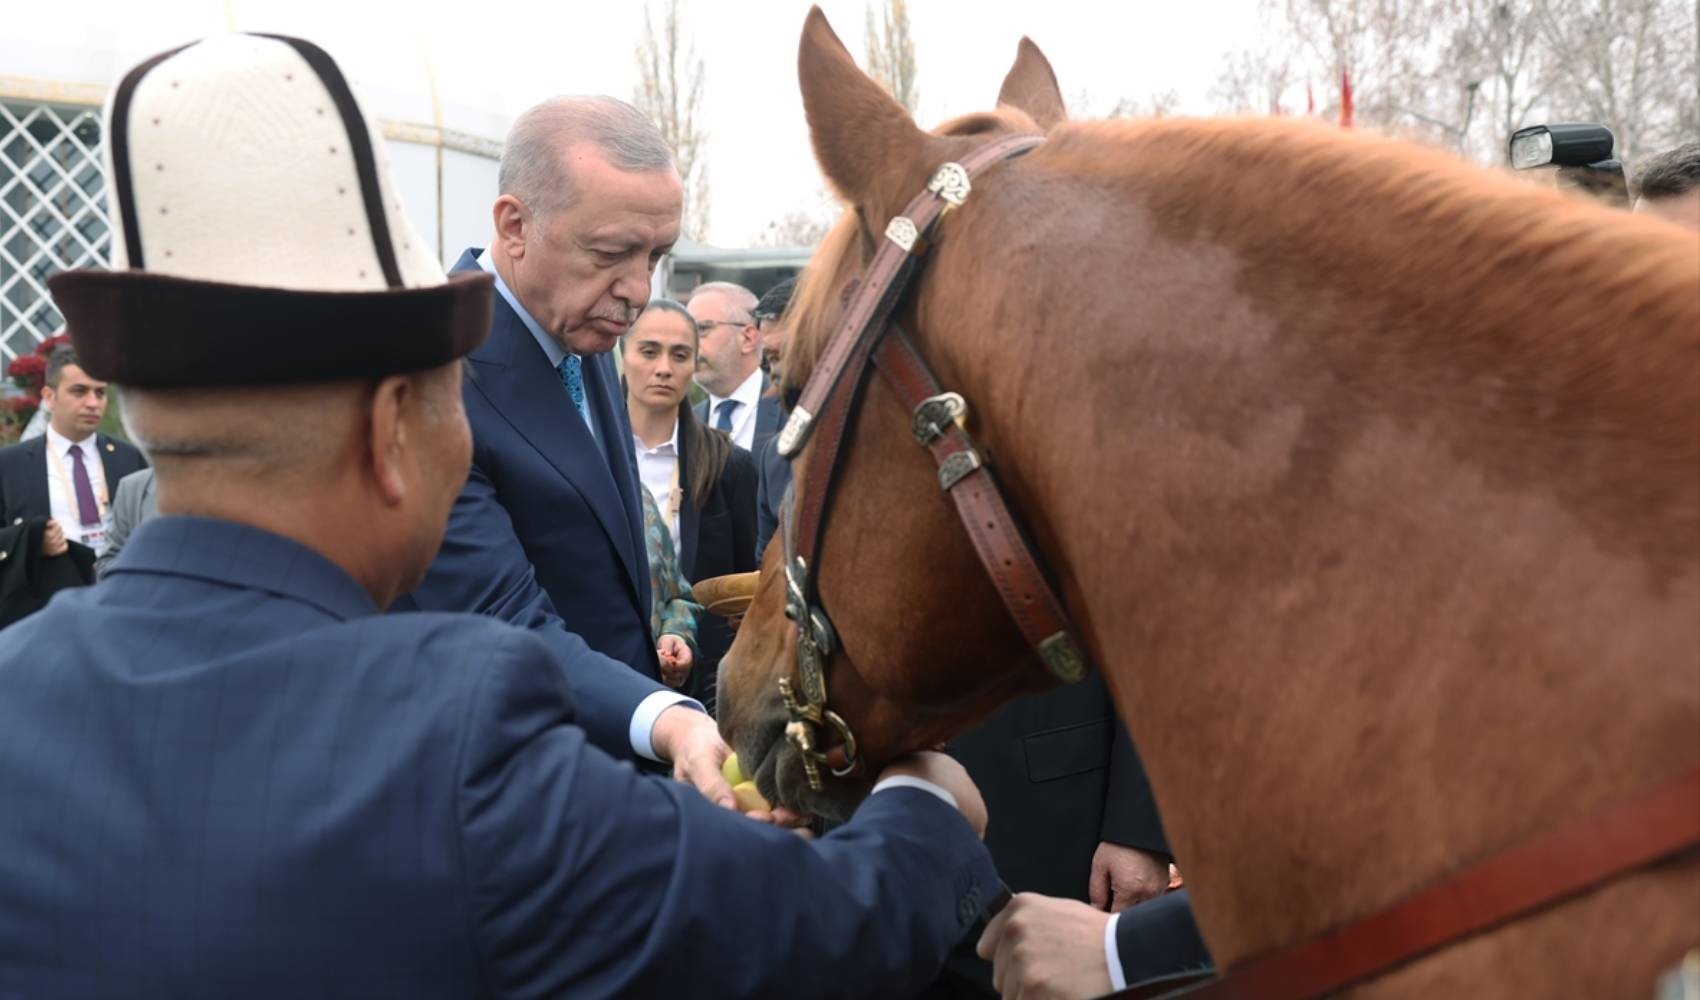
<point x="1539" y="284"/>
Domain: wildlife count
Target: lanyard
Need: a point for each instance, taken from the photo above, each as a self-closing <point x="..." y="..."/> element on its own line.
<point x="70" y="491"/>
<point x="670" y="513"/>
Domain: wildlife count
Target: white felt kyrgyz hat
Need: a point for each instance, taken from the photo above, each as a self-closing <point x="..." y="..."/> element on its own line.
<point x="260" y="239"/>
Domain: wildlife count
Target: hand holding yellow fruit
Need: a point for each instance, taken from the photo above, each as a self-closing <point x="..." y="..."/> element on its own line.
<point x="743" y="789"/>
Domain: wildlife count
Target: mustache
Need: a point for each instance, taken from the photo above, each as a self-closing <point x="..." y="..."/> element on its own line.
<point x="618" y="314"/>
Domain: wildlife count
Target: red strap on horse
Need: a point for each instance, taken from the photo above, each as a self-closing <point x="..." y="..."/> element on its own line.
<point x="1582" y="855"/>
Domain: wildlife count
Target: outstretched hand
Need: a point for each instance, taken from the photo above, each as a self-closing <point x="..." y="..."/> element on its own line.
<point x="691" y="741"/>
<point x="1042" y="948"/>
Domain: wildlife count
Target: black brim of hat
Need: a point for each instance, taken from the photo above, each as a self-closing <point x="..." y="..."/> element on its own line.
<point x="142" y="328"/>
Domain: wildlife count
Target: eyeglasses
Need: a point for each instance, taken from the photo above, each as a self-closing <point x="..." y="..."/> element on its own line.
<point x="706" y="327"/>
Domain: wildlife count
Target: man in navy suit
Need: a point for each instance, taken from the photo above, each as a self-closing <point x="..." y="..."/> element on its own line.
<point x="236" y="777"/>
<point x="548" y="531"/>
<point x="70" y="472"/>
<point x="729" y="365"/>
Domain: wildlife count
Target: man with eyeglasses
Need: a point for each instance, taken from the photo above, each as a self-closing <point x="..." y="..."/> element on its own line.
<point x="729" y="365"/>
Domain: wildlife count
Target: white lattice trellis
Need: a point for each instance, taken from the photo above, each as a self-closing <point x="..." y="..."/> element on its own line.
<point x="52" y="213"/>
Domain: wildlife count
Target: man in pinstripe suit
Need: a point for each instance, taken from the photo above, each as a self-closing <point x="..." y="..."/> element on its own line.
<point x="235" y="777"/>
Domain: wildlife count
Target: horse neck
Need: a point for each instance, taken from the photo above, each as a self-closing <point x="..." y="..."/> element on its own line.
<point x="1364" y="564"/>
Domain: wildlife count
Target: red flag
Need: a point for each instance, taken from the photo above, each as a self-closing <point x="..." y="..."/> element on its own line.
<point x="1345" y="99"/>
<point x="1310" y="100"/>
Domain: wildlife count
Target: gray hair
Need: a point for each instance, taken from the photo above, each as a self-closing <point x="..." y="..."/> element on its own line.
<point x="738" y="298"/>
<point x="532" y="169"/>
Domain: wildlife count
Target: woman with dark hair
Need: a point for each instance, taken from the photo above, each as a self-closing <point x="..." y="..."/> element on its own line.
<point x="704" y="486"/>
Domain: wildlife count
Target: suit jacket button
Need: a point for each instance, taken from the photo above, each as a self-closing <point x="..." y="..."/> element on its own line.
<point x="968" y="908"/>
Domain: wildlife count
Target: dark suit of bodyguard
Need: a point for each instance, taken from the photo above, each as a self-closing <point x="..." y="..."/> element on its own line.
<point x="235" y="777"/>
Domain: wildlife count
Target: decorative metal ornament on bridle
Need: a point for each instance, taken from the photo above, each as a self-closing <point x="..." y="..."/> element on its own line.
<point x="865" y="338"/>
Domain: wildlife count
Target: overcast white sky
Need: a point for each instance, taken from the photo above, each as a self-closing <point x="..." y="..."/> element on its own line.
<point x="758" y="154"/>
<point x="492" y="58"/>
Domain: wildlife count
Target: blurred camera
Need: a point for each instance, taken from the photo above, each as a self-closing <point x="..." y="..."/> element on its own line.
<point x="1580" y="155"/>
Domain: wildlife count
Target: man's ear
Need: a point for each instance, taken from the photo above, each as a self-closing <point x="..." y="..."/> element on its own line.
<point x="388" y="442"/>
<point x="510" y="217"/>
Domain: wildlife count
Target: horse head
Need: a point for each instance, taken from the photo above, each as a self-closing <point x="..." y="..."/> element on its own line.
<point x="897" y="572"/>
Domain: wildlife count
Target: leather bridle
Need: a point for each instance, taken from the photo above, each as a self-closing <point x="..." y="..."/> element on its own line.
<point x="1657" y="825"/>
<point x="864" y="338"/>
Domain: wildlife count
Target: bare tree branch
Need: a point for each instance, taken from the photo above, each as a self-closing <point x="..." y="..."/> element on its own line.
<point x="891" y="53"/>
<point x="669" y="91"/>
<point x="1467" y="73"/>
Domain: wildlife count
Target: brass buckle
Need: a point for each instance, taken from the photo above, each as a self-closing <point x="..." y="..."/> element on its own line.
<point x="935" y="413"/>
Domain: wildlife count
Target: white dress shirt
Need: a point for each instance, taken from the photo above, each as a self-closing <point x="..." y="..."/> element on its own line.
<point x="62" y="489"/>
<point x="1113" y="955"/>
<point x="747" y="396"/>
<point x="658" y="470"/>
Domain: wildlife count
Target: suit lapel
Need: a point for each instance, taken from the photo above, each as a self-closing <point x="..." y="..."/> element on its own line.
<point x="108" y="455"/>
<point x="602" y="385"/>
<point x="35" y="482"/>
<point x="515" y="376"/>
<point x="690" y="519"/>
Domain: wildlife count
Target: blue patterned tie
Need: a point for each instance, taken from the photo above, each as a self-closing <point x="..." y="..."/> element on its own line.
<point x="572" y="376"/>
<point x="723" y="415"/>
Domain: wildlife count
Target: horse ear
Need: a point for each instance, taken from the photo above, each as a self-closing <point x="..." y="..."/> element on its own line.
<point x="1032" y="87"/>
<point x="865" y="141"/>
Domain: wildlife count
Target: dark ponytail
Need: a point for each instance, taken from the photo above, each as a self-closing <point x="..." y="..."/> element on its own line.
<point x="705" y="451"/>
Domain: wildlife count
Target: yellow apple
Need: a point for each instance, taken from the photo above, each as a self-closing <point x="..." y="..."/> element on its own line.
<point x="729" y="771"/>
<point x="750" y="800"/>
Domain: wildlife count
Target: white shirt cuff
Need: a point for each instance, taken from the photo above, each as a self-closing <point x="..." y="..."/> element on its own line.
<point x="643" y="720"/>
<point x="908" y="781"/>
<point x="1112" y="954"/>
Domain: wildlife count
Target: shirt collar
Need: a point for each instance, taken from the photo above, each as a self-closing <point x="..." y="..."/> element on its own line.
<point x="550" y="346"/>
<point x="671" y="445"/>
<point x="238" y="555"/>
<point x="747" y="393"/>
<point x="62" y="445"/>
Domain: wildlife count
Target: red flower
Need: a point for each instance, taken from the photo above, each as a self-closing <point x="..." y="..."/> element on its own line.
<point x="22" y="405"/>
<point x="46" y="347"/>
<point x="28" y="366"/>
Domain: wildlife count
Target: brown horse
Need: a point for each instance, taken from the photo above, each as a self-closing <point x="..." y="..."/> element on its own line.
<point x="1370" y="479"/>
